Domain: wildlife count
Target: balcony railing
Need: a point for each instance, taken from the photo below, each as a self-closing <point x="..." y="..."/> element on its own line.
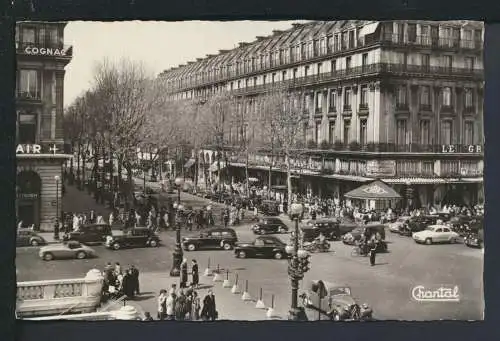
<point x="29" y="95"/>
<point x="428" y="41"/>
<point x="44" y="49"/>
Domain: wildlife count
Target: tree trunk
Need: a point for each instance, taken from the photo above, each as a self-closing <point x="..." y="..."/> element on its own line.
<point x="130" y="187"/>
<point x="270" y="179"/>
<point x="78" y="185"/>
<point x="289" y="181"/>
<point x="196" y="169"/>
<point x="120" y="168"/>
<point x="219" y="177"/>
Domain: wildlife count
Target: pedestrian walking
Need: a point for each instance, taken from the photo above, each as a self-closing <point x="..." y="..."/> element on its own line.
<point x="118" y="269"/>
<point x="162" y="305"/>
<point x="100" y="219"/>
<point x="373" y="252"/>
<point x="128" y="284"/>
<point x="194" y="274"/>
<point x="209" y="311"/>
<point x="184" y="273"/>
<point x="195" y="306"/>
<point x="135" y="279"/>
<point x="180" y="306"/>
<point x="111" y="218"/>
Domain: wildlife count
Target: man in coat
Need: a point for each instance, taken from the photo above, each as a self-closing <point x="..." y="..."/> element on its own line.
<point x="209" y="311"/>
<point x="194" y="274"/>
<point x="184" y="273"/>
<point x="135" y="279"/>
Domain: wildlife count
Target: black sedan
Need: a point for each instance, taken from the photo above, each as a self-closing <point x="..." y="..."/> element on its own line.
<point x="270" y="225"/>
<point x="263" y="246"/>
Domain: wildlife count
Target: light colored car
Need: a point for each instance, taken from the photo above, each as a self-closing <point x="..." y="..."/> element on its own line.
<point x="436" y="234"/>
<point x="395" y="226"/>
<point x="68" y="250"/>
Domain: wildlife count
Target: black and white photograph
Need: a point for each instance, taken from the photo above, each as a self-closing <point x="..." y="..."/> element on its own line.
<point x="250" y="170"/>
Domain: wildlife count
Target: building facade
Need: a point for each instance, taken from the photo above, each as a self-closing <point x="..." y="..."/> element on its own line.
<point x="41" y="59"/>
<point x="400" y="101"/>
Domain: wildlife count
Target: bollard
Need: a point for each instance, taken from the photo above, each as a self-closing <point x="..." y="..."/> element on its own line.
<point x="226" y="283"/>
<point x="270" y="311"/>
<point x="260" y="303"/>
<point x="208" y="271"/>
<point x="246" y="296"/>
<point x="235" y="289"/>
<point x="217" y="277"/>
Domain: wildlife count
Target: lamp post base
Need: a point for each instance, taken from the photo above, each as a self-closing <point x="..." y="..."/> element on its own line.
<point x="297" y="314"/>
<point x="176" y="263"/>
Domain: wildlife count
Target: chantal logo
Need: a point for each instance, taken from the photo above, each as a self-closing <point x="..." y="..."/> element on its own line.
<point x="441" y="294"/>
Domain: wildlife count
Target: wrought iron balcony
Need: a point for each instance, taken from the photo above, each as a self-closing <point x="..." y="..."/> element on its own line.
<point x="30" y="96"/>
<point x="431" y="42"/>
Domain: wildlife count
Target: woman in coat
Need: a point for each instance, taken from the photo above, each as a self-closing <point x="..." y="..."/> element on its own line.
<point x="195" y="306"/>
<point x="184" y="273"/>
<point x="194" y="274"/>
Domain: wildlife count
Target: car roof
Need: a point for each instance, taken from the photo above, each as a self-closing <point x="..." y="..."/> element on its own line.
<point x="219" y="229"/>
<point x="439" y="226"/>
<point x="328" y="285"/>
<point x="269" y="238"/>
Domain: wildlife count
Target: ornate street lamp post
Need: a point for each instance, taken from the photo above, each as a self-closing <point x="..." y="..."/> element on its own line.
<point x="57" y="178"/>
<point x="298" y="264"/>
<point x="177" y="254"/>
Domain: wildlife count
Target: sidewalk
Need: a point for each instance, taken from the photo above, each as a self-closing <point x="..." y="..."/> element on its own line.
<point x="230" y="306"/>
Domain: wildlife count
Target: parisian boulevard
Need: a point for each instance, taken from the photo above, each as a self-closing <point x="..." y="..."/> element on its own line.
<point x="387" y="287"/>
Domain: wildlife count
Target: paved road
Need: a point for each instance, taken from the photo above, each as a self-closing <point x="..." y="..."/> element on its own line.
<point x="386" y="287"/>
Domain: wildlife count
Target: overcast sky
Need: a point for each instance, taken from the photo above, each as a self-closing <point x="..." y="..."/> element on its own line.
<point x="160" y="45"/>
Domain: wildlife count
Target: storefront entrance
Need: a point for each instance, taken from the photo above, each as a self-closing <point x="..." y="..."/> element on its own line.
<point x="28" y="190"/>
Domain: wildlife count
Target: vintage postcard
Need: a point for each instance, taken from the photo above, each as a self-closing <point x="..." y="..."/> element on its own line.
<point x="201" y="171"/>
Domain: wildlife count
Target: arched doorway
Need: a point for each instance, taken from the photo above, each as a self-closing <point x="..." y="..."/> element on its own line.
<point x="28" y="193"/>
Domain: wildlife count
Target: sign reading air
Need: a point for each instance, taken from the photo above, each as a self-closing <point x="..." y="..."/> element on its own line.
<point x="37" y="149"/>
<point x="44" y="51"/>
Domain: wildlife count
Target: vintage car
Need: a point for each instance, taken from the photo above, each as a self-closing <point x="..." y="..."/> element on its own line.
<point x="436" y="234"/>
<point x="66" y="250"/>
<point x="328" y="227"/>
<point x="136" y="237"/>
<point x="417" y="224"/>
<point x="335" y="301"/>
<point x="475" y="239"/>
<point x="91" y="233"/>
<point x="269" y="207"/>
<point x="395" y="227"/>
<point x="27" y="237"/>
<point x="354" y="236"/>
<point x="262" y="246"/>
<point x="269" y="225"/>
<point x="215" y="238"/>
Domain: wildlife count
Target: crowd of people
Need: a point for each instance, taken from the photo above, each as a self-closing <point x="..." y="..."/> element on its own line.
<point x="120" y="282"/>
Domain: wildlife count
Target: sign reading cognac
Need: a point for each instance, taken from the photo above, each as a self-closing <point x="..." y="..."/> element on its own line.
<point x="37" y="149"/>
<point x="44" y="51"/>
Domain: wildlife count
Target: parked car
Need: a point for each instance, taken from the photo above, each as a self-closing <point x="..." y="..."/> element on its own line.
<point x="92" y="233"/>
<point x="136" y="237"/>
<point x="66" y="250"/>
<point x="262" y="246"/>
<point x="328" y="227"/>
<point x="270" y="225"/>
<point x="335" y="301"/>
<point x="475" y="239"/>
<point x="417" y="224"/>
<point x="215" y="238"/>
<point x="27" y="237"/>
<point x="436" y="234"/>
<point x="395" y="227"/>
<point x="346" y="225"/>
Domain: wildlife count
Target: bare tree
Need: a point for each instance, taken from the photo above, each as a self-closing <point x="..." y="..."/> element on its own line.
<point x="283" y="113"/>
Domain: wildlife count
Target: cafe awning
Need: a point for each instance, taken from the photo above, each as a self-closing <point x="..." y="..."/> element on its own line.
<point x="376" y="190"/>
<point x="189" y="163"/>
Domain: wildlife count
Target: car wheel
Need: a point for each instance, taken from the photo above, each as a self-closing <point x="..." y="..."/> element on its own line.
<point x="191" y="247"/>
<point x="278" y="255"/>
<point x="282" y="230"/>
<point x="116" y="246"/>
<point x="428" y="241"/>
<point x="48" y="256"/>
<point x="227" y="246"/>
<point x="453" y="240"/>
<point x="34" y="242"/>
<point x="81" y="255"/>
<point x="153" y="243"/>
<point x="242" y="254"/>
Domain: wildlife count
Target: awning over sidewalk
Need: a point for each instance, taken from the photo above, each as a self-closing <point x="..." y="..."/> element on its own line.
<point x="431" y="181"/>
<point x="376" y="190"/>
<point x="189" y="163"/>
<point x="214" y="167"/>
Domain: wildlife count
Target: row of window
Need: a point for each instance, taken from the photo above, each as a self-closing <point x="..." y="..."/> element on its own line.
<point x="447" y="132"/>
<point x="425" y="96"/>
<point x="39" y="34"/>
<point x="223" y="67"/>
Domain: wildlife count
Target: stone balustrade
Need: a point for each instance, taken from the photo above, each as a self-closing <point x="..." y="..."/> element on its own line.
<point x="55" y="297"/>
<point x="124" y="313"/>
